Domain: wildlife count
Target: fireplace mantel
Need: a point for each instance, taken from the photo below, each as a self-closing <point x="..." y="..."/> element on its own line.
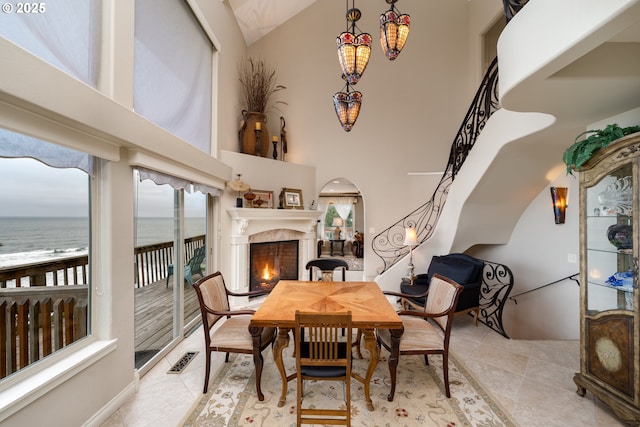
<point x="250" y="221"/>
<point x="247" y="221"/>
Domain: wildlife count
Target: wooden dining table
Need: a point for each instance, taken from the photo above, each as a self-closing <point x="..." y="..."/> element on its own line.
<point x="369" y="308"/>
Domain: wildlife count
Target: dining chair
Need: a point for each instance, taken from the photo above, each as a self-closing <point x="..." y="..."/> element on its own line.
<point x="326" y="267"/>
<point x="232" y="335"/>
<point x="420" y="334"/>
<point x="326" y="356"/>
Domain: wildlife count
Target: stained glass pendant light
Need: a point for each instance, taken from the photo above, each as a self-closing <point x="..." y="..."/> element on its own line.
<point x="394" y="30"/>
<point x="347" y="106"/>
<point x="353" y="50"/>
<point x="353" y="54"/>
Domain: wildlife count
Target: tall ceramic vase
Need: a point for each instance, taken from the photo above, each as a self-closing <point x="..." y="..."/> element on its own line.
<point x="254" y="135"/>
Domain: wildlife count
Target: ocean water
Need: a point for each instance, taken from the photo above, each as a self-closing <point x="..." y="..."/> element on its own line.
<point x="38" y="239"/>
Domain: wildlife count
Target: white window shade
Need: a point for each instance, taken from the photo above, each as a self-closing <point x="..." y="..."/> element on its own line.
<point x="66" y="34"/>
<point x="176" y="183"/>
<point x="15" y="145"/>
<point x="173" y="70"/>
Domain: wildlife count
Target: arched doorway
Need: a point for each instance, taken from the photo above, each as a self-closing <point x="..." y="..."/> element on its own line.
<point x="341" y="228"/>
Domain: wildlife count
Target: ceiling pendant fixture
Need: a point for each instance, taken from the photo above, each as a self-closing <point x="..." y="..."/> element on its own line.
<point x="394" y="30"/>
<point x="353" y="51"/>
<point x="347" y="106"/>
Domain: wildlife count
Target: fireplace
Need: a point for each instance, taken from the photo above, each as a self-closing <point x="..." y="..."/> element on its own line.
<point x="254" y="226"/>
<point x="270" y="262"/>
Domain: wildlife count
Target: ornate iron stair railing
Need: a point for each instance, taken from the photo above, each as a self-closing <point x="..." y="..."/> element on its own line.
<point x="388" y="244"/>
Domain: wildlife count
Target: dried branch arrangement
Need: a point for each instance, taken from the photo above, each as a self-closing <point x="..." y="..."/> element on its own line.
<point x="259" y="84"/>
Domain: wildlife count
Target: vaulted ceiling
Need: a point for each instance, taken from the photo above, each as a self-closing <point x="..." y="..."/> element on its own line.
<point x="257" y="17"/>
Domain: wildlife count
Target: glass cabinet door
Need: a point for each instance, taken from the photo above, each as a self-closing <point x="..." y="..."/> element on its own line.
<point x="610" y="243"/>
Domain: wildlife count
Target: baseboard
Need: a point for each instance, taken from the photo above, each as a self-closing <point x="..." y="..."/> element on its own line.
<point x="110" y="408"/>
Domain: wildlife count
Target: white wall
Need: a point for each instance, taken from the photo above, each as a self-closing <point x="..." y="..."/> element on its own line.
<point x="537" y="253"/>
<point x="412" y="107"/>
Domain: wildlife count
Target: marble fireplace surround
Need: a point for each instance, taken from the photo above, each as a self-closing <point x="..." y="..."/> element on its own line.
<point x="269" y="225"/>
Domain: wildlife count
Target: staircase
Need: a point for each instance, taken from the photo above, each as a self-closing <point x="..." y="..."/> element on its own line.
<point x="555" y="80"/>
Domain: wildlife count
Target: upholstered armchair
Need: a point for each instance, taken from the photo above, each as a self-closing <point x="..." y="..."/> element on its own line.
<point x="463" y="269"/>
<point x="427" y="331"/>
<point x="232" y="332"/>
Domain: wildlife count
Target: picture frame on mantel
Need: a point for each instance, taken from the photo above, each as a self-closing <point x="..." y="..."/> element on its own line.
<point x="291" y="198"/>
<point x="265" y="196"/>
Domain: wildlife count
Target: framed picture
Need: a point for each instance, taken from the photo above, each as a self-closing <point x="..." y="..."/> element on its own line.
<point x="291" y="198"/>
<point x="266" y="198"/>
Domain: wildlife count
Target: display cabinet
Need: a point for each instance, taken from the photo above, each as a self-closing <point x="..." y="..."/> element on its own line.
<point x="609" y="304"/>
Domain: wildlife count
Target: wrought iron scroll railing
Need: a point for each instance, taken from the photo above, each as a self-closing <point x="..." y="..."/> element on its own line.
<point x="497" y="282"/>
<point x="388" y="244"/>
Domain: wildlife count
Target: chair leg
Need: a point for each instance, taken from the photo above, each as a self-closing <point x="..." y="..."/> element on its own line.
<point x="299" y="401"/>
<point x="426" y="360"/>
<point x="207" y="369"/>
<point x="445" y="370"/>
<point x="226" y="358"/>
<point x="347" y="400"/>
<point x="187" y="275"/>
<point x="476" y="313"/>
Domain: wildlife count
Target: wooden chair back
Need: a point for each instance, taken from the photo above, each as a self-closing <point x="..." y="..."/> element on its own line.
<point x="326" y="356"/>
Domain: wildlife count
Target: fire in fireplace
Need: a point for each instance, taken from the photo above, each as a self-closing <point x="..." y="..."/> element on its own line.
<point x="270" y="262"/>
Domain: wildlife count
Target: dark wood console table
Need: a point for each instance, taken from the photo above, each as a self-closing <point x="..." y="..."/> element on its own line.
<point x="341" y="242"/>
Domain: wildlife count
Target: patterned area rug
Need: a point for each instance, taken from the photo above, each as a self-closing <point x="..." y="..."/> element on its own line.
<point x="355" y="264"/>
<point x="419" y="399"/>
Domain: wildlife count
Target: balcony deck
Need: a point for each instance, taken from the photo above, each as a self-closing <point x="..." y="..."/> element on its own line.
<point x="45" y="305"/>
<point x="154" y="306"/>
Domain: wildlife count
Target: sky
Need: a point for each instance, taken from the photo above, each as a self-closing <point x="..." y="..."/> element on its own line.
<point x="30" y="188"/>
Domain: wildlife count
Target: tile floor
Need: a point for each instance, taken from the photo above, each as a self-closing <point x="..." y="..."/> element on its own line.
<point x="532" y="380"/>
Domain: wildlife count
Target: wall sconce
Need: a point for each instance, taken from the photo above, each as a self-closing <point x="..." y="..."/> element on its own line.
<point x="559" y="200"/>
<point x="411" y="240"/>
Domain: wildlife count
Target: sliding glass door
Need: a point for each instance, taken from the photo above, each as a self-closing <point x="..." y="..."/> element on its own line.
<point x="195" y="231"/>
<point x="171" y="254"/>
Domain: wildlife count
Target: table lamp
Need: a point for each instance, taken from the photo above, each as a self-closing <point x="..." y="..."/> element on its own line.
<point x="238" y="185"/>
<point x="411" y="240"/>
<point x="337" y="222"/>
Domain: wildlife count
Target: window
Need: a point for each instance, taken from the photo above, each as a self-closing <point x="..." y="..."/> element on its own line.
<point x="333" y="220"/>
<point x="44" y="250"/>
<point x="332" y="214"/>
<point x="65" y="33"/>
<point x="172" y="70"/>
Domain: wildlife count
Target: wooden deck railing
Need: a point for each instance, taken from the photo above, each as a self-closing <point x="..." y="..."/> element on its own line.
<point x="43" y="306"/>
<point x="152" y="261"/>
<point x="60" y="272"/>
<point x="35" y="322"/>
